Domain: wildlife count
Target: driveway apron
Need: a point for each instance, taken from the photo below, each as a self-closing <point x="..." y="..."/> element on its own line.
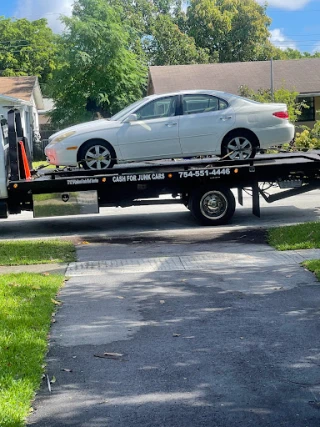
<point x="169" y="334"/>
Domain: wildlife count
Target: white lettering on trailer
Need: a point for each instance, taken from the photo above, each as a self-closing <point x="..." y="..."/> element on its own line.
<point x="156" y="176"/>
<point x="82" y="181"/>
<point x="118" y="179"/>
<point x="134" y="178"/>
<point x="205" y="172"/>
<point x="145" y="177"/>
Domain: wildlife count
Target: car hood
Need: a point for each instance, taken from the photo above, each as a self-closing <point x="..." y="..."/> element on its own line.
<point x="88" y="127"/>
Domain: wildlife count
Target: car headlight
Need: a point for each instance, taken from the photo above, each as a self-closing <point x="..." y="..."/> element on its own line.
<point x="62" y="137"/>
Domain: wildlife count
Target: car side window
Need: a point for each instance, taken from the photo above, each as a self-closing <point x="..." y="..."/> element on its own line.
<point x="197" y="104"/>
<point x="223" y="104"/>
<point x="162" y="107"/>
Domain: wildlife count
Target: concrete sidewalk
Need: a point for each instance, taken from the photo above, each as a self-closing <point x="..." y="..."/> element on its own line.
<point x="60" y="268"/>
<point x="226" y="337"/>
<point x="262" y="256"/>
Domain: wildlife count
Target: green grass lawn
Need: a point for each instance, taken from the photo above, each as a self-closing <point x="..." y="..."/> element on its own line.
<point x="314" y="266"/>
<point x="27" y="301"/>
<point x="35" y="165"/>
<point x="26" y="252"/>
<point x="26" y="306"/>
<point x="301" y="236"/>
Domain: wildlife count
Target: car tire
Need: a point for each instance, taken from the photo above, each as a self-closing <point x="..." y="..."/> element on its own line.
<point x="212" y="205"/>
<point x="239" y="146"/>
<point x="96" y="155"/>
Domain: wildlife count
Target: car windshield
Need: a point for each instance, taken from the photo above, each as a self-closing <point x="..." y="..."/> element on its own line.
<point x="127" y="110"/>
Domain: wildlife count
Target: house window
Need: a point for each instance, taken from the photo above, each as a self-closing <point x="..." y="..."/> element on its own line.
<point x="307" y="114"/>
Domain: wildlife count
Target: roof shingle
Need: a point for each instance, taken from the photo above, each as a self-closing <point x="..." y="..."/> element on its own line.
<point x="18" y="87"/>
<point x="301" y="75"/>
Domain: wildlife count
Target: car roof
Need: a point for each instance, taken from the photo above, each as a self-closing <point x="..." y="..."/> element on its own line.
<point x="192" y="92"/>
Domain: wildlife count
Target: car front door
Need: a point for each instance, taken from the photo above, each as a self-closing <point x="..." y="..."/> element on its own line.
<point x="204" y="121"/>
<point x="155" y="133"/>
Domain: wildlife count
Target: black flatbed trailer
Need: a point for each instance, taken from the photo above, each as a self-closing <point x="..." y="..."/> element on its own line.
<point x="202" y="185"/>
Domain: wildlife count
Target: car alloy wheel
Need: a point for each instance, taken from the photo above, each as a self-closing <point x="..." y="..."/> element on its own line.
<point x="98" y="157"/>
<point x="240" y="148"/>
<point x="96" y="154"/>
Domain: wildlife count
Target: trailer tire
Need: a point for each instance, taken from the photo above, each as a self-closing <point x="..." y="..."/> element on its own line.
<point x="3" y="209"/>
<point x="212" y="205"/>
<point x="104" y="152"/>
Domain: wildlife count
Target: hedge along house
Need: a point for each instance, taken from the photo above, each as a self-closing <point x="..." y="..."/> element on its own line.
<point x="24" y="94"/>
<point x="300" y="75"/>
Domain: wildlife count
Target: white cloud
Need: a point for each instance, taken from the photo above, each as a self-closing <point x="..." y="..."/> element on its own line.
<point x="51" y="10"/>
<point x="316" y="48"/>
<point x="286" y="4"/>
<point x="280" y="40"/>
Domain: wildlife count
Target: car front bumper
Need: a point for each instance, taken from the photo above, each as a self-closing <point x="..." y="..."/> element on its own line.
<point x="60" y="156"/>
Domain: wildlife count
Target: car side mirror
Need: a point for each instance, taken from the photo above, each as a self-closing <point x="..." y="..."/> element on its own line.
<point x="130" y="118"/>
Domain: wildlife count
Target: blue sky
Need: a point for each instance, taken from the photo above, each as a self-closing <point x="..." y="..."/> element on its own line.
<point x="295" y="23"/>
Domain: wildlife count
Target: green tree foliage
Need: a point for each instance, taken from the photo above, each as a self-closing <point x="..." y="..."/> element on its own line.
<point x="232" y="30"/>
<point x="99" y="71"/>
<point x="290" y="53"/>
<point x="158" y="32"/>
<point x="27" y="48"/>
<point x="296" y="54"/>
<point x="168" y="45"/>
<point x="167" y="42"/>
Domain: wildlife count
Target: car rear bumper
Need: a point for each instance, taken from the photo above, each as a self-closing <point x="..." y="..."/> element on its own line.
<point x="275" y="135"/>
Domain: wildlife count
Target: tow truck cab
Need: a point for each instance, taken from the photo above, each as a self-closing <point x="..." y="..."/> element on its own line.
<point x="4" y="158"/>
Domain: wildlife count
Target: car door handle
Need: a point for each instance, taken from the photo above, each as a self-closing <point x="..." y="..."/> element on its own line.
<point x="225" y="118"/>
<point x="169" y="125"/>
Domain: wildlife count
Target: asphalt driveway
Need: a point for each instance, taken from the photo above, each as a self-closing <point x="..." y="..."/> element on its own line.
<point x="184" y="332"/>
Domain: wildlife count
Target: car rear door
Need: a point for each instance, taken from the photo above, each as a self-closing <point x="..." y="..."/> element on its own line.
<point x="204" y="121"/>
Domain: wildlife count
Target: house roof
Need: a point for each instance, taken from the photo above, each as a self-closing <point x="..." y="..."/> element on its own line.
<point x="302" y="75"/>
<point x="22" y="88"/>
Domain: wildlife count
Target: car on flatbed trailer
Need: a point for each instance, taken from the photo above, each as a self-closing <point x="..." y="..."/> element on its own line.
<point x="204" y="186"/>
<point x="175" y="125"/>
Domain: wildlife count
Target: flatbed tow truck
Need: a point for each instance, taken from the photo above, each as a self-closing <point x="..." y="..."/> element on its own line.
<point x="204" y="186"/>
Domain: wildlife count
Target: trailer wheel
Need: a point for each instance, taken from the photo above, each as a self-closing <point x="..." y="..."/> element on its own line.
<point x="212" y="206"/>
<point x="240" y="144"/>
<point x="3" y="209"/>
<point x="96" y="155"/>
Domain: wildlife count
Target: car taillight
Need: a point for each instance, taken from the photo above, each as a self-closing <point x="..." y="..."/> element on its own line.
<point x="281" y="114"/>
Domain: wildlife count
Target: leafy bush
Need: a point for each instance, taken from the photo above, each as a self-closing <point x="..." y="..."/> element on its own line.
<point x="308" y="139"/>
